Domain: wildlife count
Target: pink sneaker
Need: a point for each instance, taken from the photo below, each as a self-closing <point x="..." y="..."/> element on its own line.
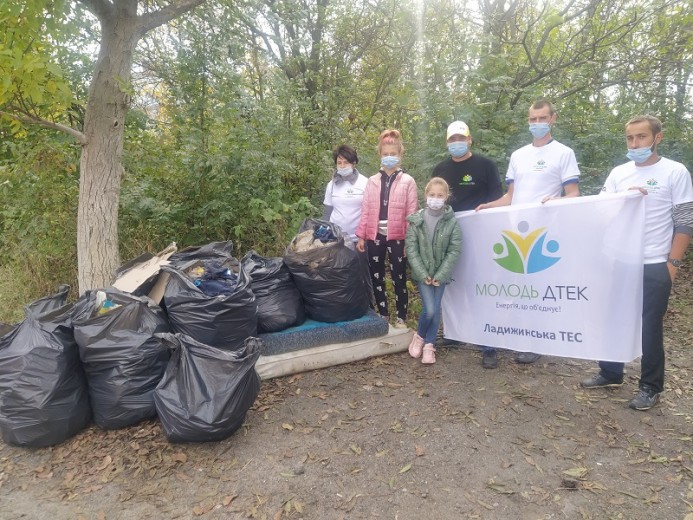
<point x="429" y="354"/>
<point x="415" y="346"/>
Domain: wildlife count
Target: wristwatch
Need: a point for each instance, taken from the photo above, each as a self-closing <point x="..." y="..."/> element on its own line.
<point x="675" y="263"/>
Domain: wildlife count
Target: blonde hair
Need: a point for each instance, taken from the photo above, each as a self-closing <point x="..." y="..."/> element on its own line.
<point x="439" y="181"/>
<point x="390" y="136"/>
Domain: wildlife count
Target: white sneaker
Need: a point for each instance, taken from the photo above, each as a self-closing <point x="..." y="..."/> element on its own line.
<point x="399" y="324"/>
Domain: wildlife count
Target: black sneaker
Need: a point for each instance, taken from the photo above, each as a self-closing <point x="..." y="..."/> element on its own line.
<point x="599" y="381"/>
<point x="526" y="358"/>
<point x="645" y="399"/>
<point x="490" y="359"/>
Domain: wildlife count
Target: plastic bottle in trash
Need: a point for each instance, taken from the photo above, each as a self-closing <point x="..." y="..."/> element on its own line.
<point x="104" y="304"/>
<point x="107" y="306"/>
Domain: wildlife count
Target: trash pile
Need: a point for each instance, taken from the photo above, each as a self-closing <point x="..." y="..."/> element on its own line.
<point x="176" y="339"/>
<point x="121" y="356"/>
<point x="43" y="390"/>
<point x="279" y="303"/>
<point x="328" y="272"/>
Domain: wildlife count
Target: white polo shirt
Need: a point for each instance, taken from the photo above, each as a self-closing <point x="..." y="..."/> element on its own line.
<point x="541" y="171"/>
<point x="668" y="184"/>
<point x="345" y="199"/>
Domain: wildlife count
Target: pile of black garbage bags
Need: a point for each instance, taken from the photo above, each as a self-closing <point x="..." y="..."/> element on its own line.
<point x="118" y="358"/>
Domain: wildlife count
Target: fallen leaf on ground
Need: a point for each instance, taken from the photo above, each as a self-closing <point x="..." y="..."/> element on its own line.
<point x="228" y="499"/>
<point x="179" y="457"/>
<point x="202" y="508"/>
<point x="104" y="463"/>
<point x="578" y="472"/>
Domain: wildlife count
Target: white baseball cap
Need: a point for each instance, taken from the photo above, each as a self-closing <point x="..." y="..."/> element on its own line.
<point x="458" y="127"/>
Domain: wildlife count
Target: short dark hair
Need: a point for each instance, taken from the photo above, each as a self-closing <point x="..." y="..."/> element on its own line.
<point x="347" y="152"/>
<point x="541" y="103"/>
<point x="655" y="124"/>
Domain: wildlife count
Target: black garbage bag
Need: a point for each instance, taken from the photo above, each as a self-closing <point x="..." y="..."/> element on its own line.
<point x="220" y="251"/>
<point x="206" y="391"/>
<point x="279" y="303"/>
<point x="222" y="321"/>
<point x="6" y="328"/>
<point x="330" y="277"/>
<point x="121" y="356"/>
<point x="43" y="392"/>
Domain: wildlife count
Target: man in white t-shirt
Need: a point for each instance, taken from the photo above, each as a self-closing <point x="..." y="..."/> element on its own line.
<point x="668" y="229"/>
<point x="539" y="172"/>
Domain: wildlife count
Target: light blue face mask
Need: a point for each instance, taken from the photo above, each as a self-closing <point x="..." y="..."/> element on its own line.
<point x="344" y="172"/>
<point x="640" y="155"/>
<point x="389" y="161"/>
<point x="539" y="130"/>
<point x="458" y="148"/>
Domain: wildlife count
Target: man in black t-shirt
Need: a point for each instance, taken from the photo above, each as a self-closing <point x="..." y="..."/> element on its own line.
<point x="474" y="180"/>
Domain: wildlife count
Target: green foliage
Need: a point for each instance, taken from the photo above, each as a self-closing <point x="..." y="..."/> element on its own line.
<point x="33" y="82"/>
<point x="38" y="218"/>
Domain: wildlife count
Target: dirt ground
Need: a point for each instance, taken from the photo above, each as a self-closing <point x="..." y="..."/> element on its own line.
<point x="388" y="438"/>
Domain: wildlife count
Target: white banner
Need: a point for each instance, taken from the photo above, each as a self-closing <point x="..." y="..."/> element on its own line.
<point x="562" y="278"/>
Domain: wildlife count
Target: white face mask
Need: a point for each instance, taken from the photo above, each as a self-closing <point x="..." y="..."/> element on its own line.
<point x="435" y="203"/>
<point x="345" y="172"/>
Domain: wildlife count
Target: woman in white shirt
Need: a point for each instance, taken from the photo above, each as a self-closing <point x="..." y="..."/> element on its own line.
<point x="344" y="193"/>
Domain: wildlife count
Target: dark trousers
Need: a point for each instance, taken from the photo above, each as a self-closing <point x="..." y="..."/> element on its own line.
<point x="394" y="249"/>
<point x="656" y="290"/>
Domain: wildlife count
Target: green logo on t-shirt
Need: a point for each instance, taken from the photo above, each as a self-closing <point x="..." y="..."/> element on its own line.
<point x="466" y="179"/>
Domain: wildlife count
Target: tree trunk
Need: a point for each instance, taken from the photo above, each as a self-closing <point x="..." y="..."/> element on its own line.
<point x="100" y="164"/>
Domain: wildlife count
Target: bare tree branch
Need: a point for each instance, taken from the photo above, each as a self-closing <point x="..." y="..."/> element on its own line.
<point x="164" y="15"/>
<point x="29" y="119"/>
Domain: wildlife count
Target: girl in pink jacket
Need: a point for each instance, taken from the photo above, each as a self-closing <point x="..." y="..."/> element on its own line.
<point x="390" y="196"/>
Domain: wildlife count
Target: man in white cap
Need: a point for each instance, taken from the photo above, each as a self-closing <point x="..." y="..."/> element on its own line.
<point x="540" y="171"/>
<point x="474" y="180"/>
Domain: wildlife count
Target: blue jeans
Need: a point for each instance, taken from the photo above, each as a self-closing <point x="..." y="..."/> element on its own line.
<point x="656" y="290"/>
<point x="429" y="320"/>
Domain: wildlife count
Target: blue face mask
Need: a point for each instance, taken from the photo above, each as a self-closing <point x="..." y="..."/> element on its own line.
<point x="458" y="148"/>
<point x="640" y="155"/>
<point x="539" y="130"/>
<point x="344" y="172"/>
<point x="389" y="161"/>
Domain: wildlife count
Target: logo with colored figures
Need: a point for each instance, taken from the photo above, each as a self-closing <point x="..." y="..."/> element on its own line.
<point x="526" y="252"/>
<point x="652" y="182"/>
<point x="467" y="178"/>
